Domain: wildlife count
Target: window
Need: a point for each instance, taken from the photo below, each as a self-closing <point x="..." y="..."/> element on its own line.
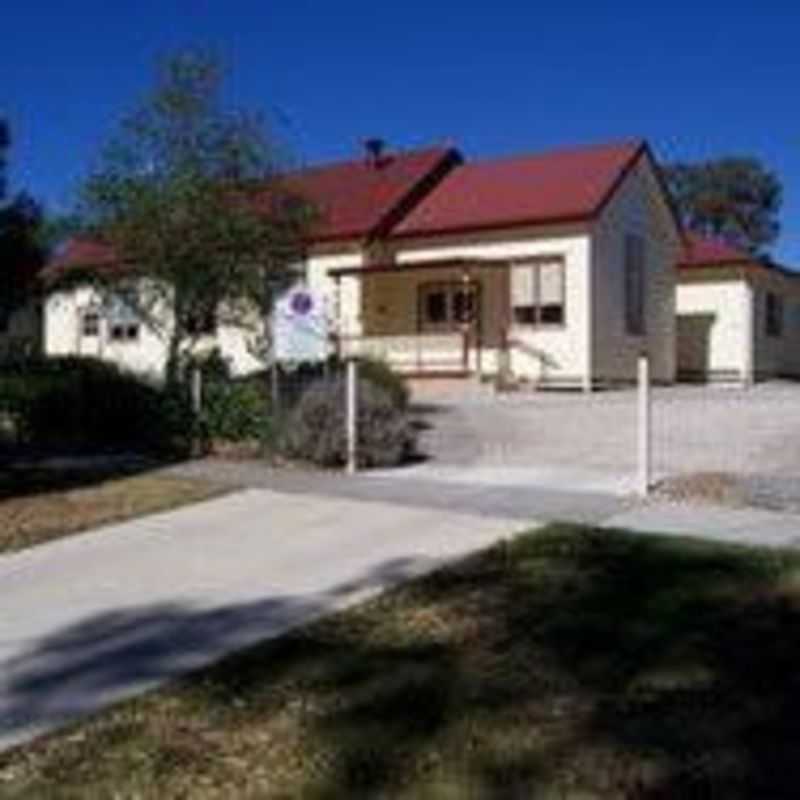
<point x="538" y="293"/>
<point x="634" y="285"/>
<point x="447" y="306"/>
<point x="436" y="306"/>
<point x="90" y="323"/>
<point x="774" y="315"/>
<point x="123" y="319"/>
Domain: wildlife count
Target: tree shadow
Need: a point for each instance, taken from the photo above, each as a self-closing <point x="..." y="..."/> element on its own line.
<point x="568" y="663"/>
<point x="37" y="471"/>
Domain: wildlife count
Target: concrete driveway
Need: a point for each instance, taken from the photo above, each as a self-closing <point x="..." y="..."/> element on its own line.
<point x="571" y="440"/>
<point x="91" y="619"/>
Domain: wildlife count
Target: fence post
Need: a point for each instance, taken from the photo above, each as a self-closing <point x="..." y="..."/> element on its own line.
<point x="351" y="413"/>
<point x="644" y="427"/>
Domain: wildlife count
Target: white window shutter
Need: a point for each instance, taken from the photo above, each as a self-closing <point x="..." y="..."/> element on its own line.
<point x="522" y="283"/>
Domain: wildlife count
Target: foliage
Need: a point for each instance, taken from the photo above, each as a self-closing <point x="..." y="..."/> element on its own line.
<point x="21" y="251"/>
<point x="380" y="374"/>
<point x="5" y="141"/>
<point x="85" y="403"/>
<point x="316" y="427"/>
<point x="189" y="198"/>
<point x="736" y="199"/>
<point x="234" y="411"/>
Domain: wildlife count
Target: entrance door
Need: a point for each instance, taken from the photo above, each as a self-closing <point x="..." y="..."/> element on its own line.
<point x="449" y="306"/>
<point x="449" y="322"/>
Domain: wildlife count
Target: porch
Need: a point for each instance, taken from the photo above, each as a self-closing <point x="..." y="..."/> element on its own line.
<point x="460" y="317"/>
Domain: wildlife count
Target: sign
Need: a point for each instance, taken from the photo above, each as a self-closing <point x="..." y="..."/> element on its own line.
<point x="300" y="327"/>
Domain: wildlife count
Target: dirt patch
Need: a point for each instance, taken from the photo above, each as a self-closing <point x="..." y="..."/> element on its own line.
<point x="718" y="488"/>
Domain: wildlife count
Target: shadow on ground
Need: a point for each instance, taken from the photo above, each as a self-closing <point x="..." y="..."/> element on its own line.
<point x="570" y="663"/>
<point x="28" y="471"/>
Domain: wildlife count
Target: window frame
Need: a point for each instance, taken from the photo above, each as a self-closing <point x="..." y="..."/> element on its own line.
<point x="774" y="316"/>
<point x="85" y="315"/>
<point x="536" y="263"/>
<point x="450" y="289"/>
<point x="123" y="328"/>
<point x="635" y="296"/>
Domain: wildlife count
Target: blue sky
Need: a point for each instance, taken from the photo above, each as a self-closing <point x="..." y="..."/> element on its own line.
<point x="697" y="79"/>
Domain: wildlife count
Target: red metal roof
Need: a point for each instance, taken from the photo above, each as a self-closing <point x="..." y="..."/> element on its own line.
<point x="358" y="199"/>
<point x="702" y="251"/>
<point x="562" y="185"/>
<point x="77" y="253"/>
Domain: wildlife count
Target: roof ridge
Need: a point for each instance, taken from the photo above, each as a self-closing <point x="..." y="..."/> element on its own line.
<point x="634" y="144"/>
<point x="356" y="161"/>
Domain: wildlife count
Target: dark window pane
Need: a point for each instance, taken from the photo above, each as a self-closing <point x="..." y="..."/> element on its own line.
<point x="436" y="307"/>
<point x="525" y="315"/>
<point x="91" y="324"/>
<point x="554" y="315"/>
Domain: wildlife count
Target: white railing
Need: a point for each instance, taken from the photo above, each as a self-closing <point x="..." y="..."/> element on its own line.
<point x="426" y="352"/>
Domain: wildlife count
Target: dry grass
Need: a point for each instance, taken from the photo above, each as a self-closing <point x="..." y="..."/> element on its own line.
<point x="571" y="663"/>
<point x="40" y="507"/>
<point x="716" y="488"/>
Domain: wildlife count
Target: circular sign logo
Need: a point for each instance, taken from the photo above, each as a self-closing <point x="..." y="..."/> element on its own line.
<point x="301" y="303"/>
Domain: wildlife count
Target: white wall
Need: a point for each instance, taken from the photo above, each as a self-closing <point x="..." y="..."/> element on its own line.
<point x="714" y="339"/>
<point x="722" y="323"/>
<point x="146" y="355"/>
<point x="637" y="208"/>
<point x="345" y="304"/>
<point x="556" y="354"/>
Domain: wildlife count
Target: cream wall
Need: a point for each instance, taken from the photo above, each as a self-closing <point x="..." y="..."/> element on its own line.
<point x="552" y="354"/>
<point x="775" y="356"/>
<point x="344" y="303"/>
<point x="147" y="355"/>
<point x="638" y="207"/>
<point x="714" y="325"/>
<point x="722" y="323"/>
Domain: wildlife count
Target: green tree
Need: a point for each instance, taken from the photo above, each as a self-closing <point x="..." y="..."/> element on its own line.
<point x="5" y="140"/>
<point x="21" y="248"/>
<point x="188" y="195"/>
<point x="736" y="199"/>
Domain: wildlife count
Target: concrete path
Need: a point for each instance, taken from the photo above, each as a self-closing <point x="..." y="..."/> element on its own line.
<point x="492" y="493"/>
<point x="91" y="619"/>
<point x="748" y="526"/>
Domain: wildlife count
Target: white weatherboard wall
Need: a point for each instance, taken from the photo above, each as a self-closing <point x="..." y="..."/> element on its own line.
<point x="146" y="355"/>
<point x="638" y="207"/>
<point x="714" y="326"/>
<point x="557" y="353"/>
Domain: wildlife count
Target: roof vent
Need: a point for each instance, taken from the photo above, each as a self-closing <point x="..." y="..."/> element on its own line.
<point x="375" y="152"/>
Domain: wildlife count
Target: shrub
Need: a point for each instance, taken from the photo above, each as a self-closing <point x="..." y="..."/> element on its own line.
<point x="316" y="427"/>
<point x="87" y="403"/>
<point x="380" y="374"/>
<point x="234" y="411"/>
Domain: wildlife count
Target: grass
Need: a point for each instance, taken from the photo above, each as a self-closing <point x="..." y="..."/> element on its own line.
<point x="573" y="663"/>
<point x="39" y="505"/>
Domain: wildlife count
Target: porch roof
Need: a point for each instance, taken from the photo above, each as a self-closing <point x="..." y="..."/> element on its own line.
<point x="442" y="263"/>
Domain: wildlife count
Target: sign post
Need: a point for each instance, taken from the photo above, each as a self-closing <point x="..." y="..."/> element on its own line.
<point x="351" y="415"/>
<point x="644" y="427"/>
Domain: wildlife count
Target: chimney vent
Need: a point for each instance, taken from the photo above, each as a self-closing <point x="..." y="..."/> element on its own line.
<point x="375" y="151"/>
